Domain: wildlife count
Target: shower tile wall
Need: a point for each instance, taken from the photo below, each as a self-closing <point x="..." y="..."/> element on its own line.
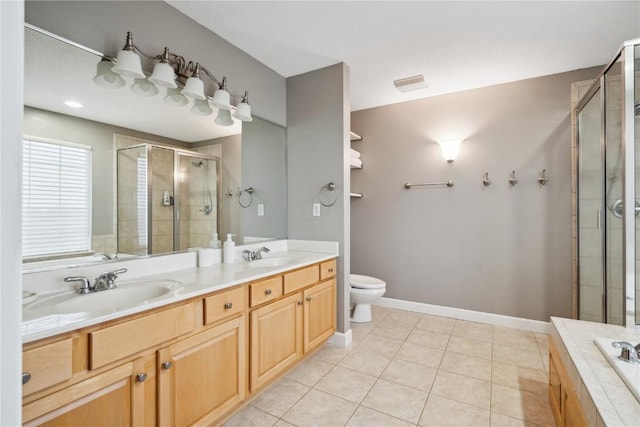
<point x="161" y="215"/>
<point x="127" y="204"/>
<point x="195" y="226"/>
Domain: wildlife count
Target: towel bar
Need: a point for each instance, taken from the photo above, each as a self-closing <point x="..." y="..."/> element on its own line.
<point x="408" y="185"/>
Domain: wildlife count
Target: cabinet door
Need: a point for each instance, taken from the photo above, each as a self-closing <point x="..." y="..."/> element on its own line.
<point x="276" y="338"/>
<point x="202" y="377"/>
<point x="319" y="314"/>
<point x="573" y="416"/>
<point x="555" y="389"/>
<point x="113" y="398"/>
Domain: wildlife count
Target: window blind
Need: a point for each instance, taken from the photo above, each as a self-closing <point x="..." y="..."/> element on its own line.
<point x="56" y="198"/>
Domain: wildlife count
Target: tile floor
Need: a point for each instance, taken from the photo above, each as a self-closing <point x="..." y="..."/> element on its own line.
<point x="410" y="369"/>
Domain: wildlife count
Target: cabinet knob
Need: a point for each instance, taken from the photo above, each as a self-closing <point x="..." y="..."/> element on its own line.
<point x="141" y="377"/>
<point x="26" y="377"/>
<point x="331" y="270"/>
<point x="308" y="298"/>
<point x="167" y="365"/>
<point x="228" y="305"/>
<point x="300" y="302"/>
<point x="267" y="292"/>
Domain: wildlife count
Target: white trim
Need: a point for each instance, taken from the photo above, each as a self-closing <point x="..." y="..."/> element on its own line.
<point x="341" y="340"/>
<point x="470" y="315"/>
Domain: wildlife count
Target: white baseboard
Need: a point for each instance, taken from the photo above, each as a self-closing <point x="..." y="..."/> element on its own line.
<point x="470" y="315"/>
<point x="341" y="339"/>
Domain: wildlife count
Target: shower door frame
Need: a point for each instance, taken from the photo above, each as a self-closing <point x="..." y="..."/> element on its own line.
<point x="626" y="57"/>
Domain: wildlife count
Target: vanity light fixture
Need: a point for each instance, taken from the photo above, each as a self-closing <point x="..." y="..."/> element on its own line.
<point x="179" y="76"/>
<point x="450" y="149"/>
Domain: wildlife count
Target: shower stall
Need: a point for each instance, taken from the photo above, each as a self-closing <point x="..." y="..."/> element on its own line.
<point x="167" y="199"/>
<point x="608" y="193"/>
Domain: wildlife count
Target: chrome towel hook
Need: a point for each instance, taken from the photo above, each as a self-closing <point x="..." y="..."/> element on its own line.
<point x="542" y="179"/>
<point x="486" y="181"/>
<point x="513" y="180"/>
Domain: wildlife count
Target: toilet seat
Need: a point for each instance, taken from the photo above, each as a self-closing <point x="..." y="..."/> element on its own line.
<point x="365" y="282"/>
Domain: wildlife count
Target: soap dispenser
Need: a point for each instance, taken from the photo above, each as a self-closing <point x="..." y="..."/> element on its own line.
<point x="229" y="250"/>
<point x="214" y="242"/>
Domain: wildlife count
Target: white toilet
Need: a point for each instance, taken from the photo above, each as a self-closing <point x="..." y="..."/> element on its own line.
<point x="364" y="290"/>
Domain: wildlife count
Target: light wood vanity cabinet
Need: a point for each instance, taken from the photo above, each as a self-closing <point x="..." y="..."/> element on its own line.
<point x="562" y="396"/>
<point x="190" y="363"/>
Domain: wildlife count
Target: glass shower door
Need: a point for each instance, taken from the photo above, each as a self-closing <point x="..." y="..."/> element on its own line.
<point x="590" y="212"/>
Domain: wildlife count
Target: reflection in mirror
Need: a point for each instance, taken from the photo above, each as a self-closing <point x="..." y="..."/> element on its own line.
<point x="112" y="121"/>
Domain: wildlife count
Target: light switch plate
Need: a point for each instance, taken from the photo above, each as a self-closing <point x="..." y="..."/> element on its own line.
<point x="316" y="209"/>
<point x="261" y="209"/>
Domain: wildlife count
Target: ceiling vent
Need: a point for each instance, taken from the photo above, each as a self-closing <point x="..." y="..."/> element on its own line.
<point x="410" y="83"/>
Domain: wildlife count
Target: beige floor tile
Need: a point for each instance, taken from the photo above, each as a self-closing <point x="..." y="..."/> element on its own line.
<point x="280" y="397"/>
<point x="365" y="417"/>
<point x="534" y="380"/>
<point x="464" y="364"/>
<point x="317" y="408"/>
<point x="420" y="354"/>
<point x="499" y="420"/>
<point x="444" y="325"/>
<point x="430" y="338"/>
<point x="381" y="345"/>
<point x="525" y="356"/>
<point x="443" y="412"/>
<point x="331" y="353"/>
<point x="463" y="389"/>
<point x="474" y="330"/>
<point x="391" y="330"/>
<point x="251" y="417"/>
<point x="378" y="312"/>
<point x="405" y="318"/>
<point x="365" y="362"/>
<point x="510" y="336"/>
<point x="347" y="384"/>
<point x="283" y="423"/>
<point x="470" y="346"/>
<point x="309" y="371"/>
<point x="396" y="400"/>
<point x="357" y="335"/>
<point x="524" y="405"/>
<point x="410" y="374"/>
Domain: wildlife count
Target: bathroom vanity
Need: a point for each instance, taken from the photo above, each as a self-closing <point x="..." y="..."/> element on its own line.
<point x="190" y="359"/>
<point x="584" y="389"/>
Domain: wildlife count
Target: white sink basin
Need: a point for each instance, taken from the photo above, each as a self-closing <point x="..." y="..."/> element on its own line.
<point x="274" y="261"/>
<point x="124" y="296"/>
<point x="629" y="372"/>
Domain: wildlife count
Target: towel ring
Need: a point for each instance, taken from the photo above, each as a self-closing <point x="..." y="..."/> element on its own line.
<point x="249" y="191"/>
<point x="330" y="187"/>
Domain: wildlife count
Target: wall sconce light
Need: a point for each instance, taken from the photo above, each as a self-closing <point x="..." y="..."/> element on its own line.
<point x="450" y="149"/>
<point x="179" y="77"/>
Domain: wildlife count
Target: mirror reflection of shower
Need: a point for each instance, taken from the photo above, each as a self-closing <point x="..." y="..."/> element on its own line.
<point x="207" y="208"/>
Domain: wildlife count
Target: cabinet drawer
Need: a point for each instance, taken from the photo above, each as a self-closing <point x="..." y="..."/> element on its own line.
<point x="266" y="290"/>
<point x="327" y="269"/>
<point x="47" y="365"/>
<point x="224" y="304"/>
<point x="115" y="342"/>
<point x="301" y="278"/>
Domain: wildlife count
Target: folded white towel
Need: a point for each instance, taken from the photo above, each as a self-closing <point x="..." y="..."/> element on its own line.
<point x="356" y="163"/>
<point x="355" y="154"/>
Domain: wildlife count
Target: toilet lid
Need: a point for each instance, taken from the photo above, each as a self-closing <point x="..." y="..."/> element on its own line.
<point x="365" y="282"/>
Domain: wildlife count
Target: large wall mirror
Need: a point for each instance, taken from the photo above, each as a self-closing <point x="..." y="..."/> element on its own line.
<point x="159" y="178"/>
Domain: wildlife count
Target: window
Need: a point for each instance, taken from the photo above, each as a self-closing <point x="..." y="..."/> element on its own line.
<point x="56" y="198"/>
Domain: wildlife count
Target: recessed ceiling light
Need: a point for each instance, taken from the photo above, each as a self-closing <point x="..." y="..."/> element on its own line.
<point x="410" y="83"/>
<point x="73" y="104"/>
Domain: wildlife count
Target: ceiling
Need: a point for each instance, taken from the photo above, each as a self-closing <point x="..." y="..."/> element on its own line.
<point x="456" y="45"/>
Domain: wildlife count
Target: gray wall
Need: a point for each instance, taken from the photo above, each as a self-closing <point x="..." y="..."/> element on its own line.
<point x="498" y="249"/>
<point x="264" y="168"/>
<point x="318" y="124"/>
<point x="102" y="25"/>
<point x="47" y="124"/>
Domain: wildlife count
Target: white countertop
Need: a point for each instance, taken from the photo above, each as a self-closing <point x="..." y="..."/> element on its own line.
<point x="605" y="398"/>
<point x="195" y="282"/>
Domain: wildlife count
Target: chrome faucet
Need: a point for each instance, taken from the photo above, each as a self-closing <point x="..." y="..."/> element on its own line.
<point x="107" y="280"/>
<point x="248" y="255"/>
<point x="630" y="353"/>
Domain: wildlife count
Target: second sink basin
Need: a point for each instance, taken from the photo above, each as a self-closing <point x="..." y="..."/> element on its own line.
<point x="122" y="297"/>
